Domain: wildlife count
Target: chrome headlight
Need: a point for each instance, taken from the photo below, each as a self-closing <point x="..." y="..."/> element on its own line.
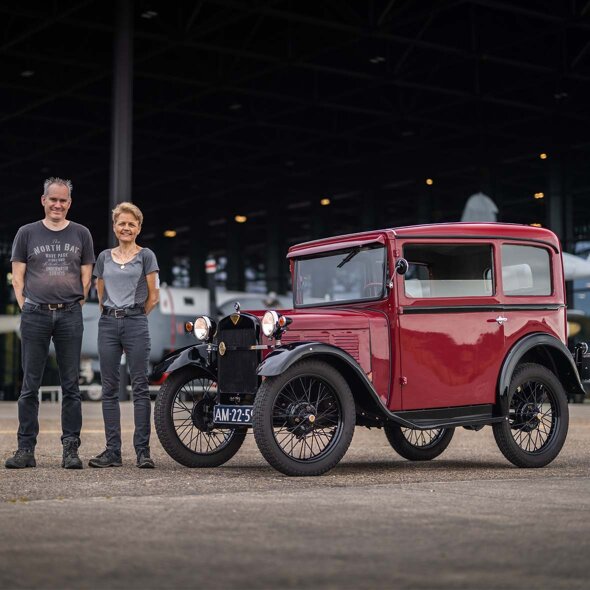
<point x="270" y="322"/>
<point x="204" y="328"/>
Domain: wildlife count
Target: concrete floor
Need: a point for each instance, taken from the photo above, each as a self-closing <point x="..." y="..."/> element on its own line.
<point x="466" y="519"/>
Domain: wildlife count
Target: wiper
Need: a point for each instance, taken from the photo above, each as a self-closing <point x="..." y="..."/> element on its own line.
<point x="349" y="257"/>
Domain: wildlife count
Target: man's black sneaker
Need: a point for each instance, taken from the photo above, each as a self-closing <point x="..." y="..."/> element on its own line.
<point x="22" y="458"/>
<point x="108" y="458"/>
<point x="143" y="459"/>
<point x="71" y="460"/>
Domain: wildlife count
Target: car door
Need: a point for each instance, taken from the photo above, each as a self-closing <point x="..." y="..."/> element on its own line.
<point x="450" y="324"/>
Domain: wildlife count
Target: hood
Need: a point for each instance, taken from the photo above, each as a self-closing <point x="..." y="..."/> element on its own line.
<point x="330" y="319"/>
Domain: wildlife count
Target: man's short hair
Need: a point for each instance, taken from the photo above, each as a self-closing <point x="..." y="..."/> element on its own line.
<point x="56" y="180"/>
<point x="127" y="207"/>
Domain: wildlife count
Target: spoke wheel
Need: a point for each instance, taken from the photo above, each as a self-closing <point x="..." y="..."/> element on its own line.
<point x="304" y="419"/>
<point x="538" y="417"/>
<point x="184" y="421"/>
<point x="418" y="445"/>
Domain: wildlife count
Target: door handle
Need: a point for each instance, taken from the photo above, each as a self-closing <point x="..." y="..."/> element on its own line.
<point x="501" y="320"/>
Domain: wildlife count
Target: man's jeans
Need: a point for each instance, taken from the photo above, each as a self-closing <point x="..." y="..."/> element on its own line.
<point x="131" y="334"/>
<point x="38" y="327"/>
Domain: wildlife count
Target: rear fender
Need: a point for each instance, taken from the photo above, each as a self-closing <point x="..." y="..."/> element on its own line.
<point x="546" y="350"/>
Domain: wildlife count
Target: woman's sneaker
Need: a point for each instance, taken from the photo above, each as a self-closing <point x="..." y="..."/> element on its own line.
<point x="21" y="459"/>
<point x="143" y="459"/>
<point x="108" y="458"/>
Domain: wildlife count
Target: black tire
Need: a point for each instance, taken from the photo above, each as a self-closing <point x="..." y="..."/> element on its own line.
<point x="304" y="419"/>
<point x="418" y="445"/>
<point x="538" y="418"/>
<point x="182" y="418"/>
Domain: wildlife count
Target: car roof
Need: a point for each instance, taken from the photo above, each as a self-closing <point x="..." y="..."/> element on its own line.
<point x="456" y="230"/>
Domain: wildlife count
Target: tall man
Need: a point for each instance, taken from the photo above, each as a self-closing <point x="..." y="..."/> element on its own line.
<point x="51" y="273"/>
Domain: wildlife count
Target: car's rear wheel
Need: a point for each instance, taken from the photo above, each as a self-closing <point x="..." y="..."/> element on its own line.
<point x="418" y="445"/>
<point x="184" y="421"/>
<point x="304" y="419"/>
<point x="538" y="418"/>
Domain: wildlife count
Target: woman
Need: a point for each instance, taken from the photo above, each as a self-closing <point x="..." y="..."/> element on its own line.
<point x="127" y="285"/>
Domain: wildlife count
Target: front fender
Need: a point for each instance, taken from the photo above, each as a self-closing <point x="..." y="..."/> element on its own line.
<point x="278" y="361"/>
<point x="195" y="355"/>
<point x="563" y="360"/>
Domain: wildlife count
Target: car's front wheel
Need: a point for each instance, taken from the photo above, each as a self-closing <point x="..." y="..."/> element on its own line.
<point x="418" y="445"/>
<point x="304" y="419"/>
<point x="538" y="417"/>
<point x="184" y="421"/>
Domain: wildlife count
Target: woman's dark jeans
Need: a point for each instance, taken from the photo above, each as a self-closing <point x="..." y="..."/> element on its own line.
<point x="131" y="334"/>
<point x="38" y="326"/>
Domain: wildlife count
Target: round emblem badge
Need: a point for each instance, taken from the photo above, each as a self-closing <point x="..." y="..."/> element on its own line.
<point x="222" y="348"/>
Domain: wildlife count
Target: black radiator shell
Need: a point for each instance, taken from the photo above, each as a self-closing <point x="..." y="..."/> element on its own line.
<point x="237" y="368"/>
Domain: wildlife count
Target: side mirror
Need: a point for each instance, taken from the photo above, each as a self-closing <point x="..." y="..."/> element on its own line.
<point x="401" y="266"/>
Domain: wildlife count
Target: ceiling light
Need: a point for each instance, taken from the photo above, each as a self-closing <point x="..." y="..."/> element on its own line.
<point x="170" y="233"/>
<point x="149" y="14"/>
<point x="236" y="106"/>
<point x="539" y="195"/>
<point x="241" y="218"/>
<point x="543" y="156"/>
<point x="536" y="225"/>
<point x="27" y="73"/>
<point x="325" y="202"/>
<point x="429" y="181"/>
<point x="378" y="59"/>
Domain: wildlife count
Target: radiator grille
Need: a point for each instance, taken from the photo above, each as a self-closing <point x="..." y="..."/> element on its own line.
<point x="237" y="368"/>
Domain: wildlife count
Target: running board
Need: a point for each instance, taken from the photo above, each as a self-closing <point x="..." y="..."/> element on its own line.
<point x="447" y="417"/>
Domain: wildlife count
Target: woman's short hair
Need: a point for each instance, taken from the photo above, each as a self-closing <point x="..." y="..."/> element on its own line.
<point x="126" y="207"/>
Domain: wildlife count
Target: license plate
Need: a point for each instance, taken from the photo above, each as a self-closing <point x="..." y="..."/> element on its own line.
<point x="228" y="414"/>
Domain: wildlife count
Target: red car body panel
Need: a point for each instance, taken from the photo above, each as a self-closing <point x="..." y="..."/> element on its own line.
<point x="434" y="352"/>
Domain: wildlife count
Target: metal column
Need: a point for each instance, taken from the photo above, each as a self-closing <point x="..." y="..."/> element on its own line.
<point x="276" y="265"/>
<point x="122" y="128"/>
<point x="122" y="114"/>
<point x="236" y="280"/>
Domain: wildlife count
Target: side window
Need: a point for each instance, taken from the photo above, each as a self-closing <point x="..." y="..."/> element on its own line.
<point x="437" y="270"/>
<point x="526" y="270"/>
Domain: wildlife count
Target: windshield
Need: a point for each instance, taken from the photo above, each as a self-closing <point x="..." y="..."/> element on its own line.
<point x="352" y="274"/>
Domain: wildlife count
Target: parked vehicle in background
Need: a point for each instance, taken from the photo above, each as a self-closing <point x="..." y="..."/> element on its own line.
<point x="415" y="330"/>
<point x="167" y="320"/>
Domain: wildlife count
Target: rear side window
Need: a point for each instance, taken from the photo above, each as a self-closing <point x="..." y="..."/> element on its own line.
<point x="437" y="270"/>
<point x="526" y="270"/>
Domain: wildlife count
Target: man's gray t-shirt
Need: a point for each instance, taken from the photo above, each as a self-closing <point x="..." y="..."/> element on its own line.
<point x="125" y="285"/>
<point x="53" y="260"/>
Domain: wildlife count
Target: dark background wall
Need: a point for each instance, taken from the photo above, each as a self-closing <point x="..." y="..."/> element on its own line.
<point x="264" y="108"/>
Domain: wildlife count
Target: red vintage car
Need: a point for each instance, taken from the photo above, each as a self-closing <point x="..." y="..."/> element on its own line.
<point x="416" y="330"/>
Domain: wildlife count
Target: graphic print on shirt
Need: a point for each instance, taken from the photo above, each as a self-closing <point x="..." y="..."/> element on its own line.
<point x="56" y="257"/>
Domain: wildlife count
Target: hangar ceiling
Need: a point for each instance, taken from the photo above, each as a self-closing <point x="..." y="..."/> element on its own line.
<point x="241" y="107"/>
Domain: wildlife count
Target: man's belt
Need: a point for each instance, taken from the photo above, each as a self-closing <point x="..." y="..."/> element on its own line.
<point x="55" y="306"/>
<point x="121" y="313"/>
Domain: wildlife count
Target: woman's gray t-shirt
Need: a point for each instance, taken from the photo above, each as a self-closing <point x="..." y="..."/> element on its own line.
<point x="125" y="285"/>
